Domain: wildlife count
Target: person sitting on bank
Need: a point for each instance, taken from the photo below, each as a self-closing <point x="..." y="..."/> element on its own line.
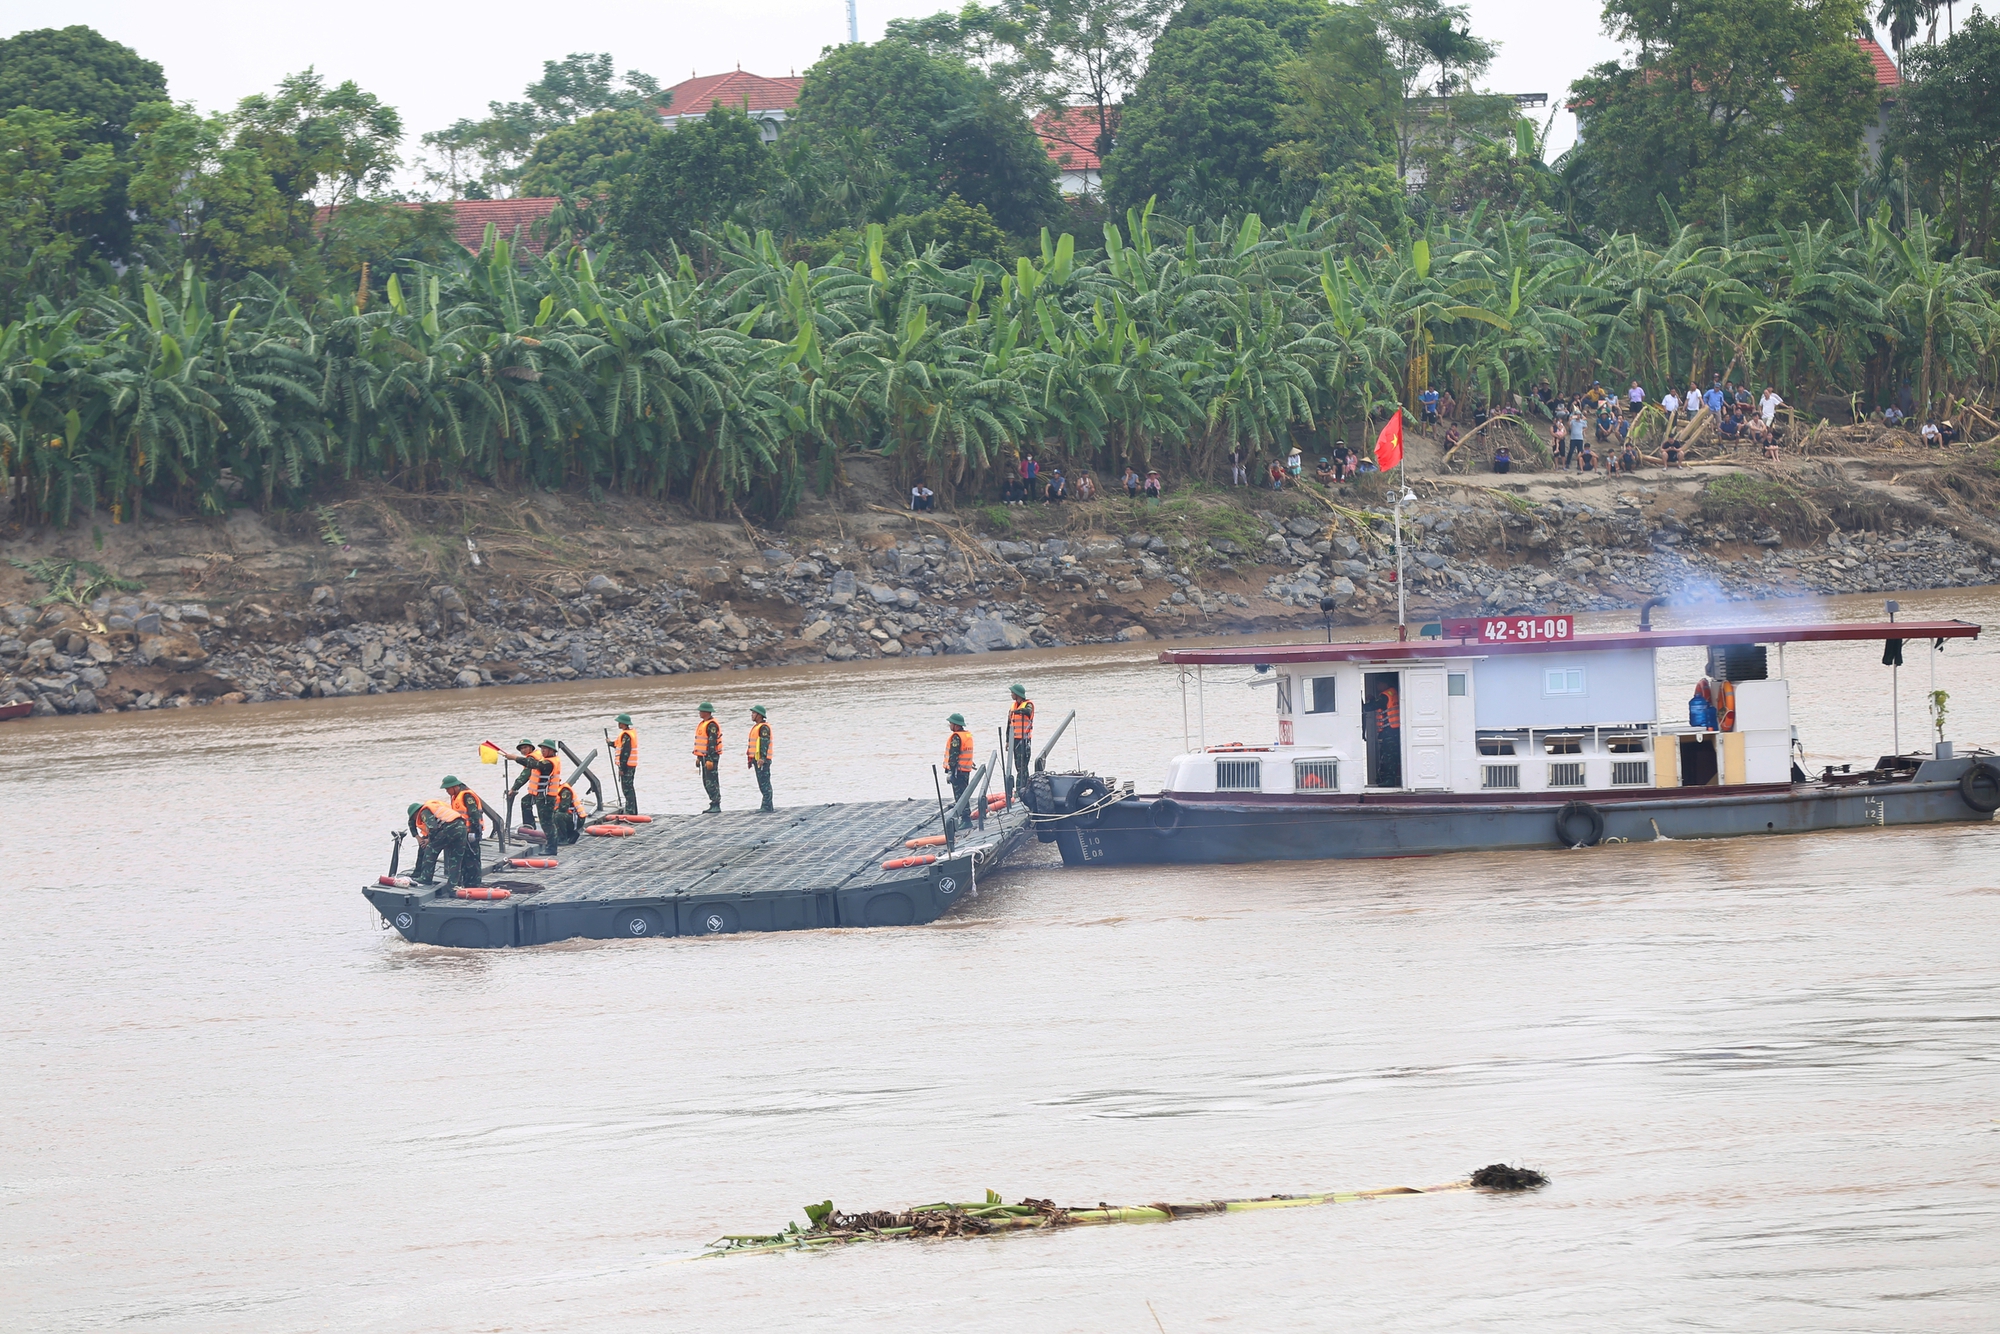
<point x="1276" y="475"/>
<point x="1058" y="487"/>
<point x="1086" y="487"/>
<point x="1672" y="449"/>
<point x="922" y="497"/>
<point x="1153" y="485"/>
<point x="1132" y="482"/>
<point x="1503" y="459"/>
<point x="1628" y="458"/>
<point x="1324" y="473"/>
<point x="440" y="832"/>
<point x="1586" y="461"/>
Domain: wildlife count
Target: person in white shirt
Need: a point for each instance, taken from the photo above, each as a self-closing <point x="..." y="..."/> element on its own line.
<point x="1670" y="405"/>
<point x="1770" y="404"/>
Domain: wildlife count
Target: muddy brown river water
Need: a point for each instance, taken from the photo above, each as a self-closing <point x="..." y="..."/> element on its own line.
<point x="1761" y="1072"/>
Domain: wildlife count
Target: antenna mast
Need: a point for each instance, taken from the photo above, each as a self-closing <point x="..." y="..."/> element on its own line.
<point x="853" y="23"/>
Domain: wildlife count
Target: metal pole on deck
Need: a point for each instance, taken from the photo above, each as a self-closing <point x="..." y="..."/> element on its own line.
<point x="1201" y="704"/>
<point x="1895" y="695"/>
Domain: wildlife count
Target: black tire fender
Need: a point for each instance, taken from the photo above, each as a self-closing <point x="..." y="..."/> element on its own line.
<point x="1579" y="825"/>
<point x="1085" y="793"/>
<point x="1163" y="817"/>
<point x="1980" y="786"/>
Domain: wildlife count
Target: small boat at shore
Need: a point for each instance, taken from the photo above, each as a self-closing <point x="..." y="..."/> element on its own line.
<point x="1500" y="733"/>
<point x="22" y="709"/>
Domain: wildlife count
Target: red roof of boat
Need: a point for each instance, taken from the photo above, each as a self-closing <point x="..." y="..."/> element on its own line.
<point x="1385" y="650"/>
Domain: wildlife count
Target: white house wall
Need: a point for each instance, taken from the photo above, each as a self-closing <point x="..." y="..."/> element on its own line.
<point x="1512" y="690"/>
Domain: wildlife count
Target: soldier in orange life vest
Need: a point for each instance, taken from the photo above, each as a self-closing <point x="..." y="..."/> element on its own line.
<point x="625" y="762"/>
<point x="1020" y="734"/>
<point x="526" y="758"/>
<point x="760" y="754"/>
<point x="708" y="756"/>
<point x="440" y="832"/>
<point x="467" y="803"/>
<point x="542" y="792"/>
<point x="569" y="815"/>
<point x="958" y="755"/>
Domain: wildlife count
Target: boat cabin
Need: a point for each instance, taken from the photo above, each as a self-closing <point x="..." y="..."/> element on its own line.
<point x="1517" y="705"/>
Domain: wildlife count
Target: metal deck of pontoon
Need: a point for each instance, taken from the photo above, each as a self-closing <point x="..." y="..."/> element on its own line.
<point x="811" y="866"/>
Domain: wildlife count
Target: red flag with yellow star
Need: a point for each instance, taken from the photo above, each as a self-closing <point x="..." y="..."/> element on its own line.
<point x="1389" y="444"/>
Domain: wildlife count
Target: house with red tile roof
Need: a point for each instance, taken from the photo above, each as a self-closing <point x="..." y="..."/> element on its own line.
<point x="767" y="101"/>
<point x="1888" y="82"/>
<point x="1071" y="137"/>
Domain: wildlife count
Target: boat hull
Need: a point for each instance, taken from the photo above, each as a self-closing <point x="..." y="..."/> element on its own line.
<point x="1206" y="828"/>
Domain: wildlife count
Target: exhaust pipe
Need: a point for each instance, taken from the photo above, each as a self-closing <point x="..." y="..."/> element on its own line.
<point x="1646" y="612"/>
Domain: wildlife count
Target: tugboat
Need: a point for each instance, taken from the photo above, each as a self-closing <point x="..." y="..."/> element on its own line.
<point x="1510" y="732"/>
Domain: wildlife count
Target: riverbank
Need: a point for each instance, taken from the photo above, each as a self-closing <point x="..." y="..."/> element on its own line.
<point x="383" y="591"/>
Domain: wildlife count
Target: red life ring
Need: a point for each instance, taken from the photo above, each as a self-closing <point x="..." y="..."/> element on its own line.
<point x="478" y="893"/>
<point x="631" y="819"/>
<point x="538" y="863"/>
<point x="609" y="830"/>
<point x="898" y="863"/>
<point x="927" y="841"/>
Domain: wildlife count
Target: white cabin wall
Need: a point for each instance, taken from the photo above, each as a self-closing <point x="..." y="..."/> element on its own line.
<point x="1618" y="688"/>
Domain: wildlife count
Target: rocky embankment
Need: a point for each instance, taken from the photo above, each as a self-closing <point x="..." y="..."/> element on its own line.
<point x="889" y="585"/>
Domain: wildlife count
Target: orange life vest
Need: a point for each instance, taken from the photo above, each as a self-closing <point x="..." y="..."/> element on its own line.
<point x="1391" y="715"/>
<point x="544" y="784"/>
<point x="626" y="736"/>
<point x="958" y="753"/>
<point x="1021" y="721"/>
<point x="708" y="739"/>
<point x="441" y="814"/>
<point x="463" y="799"/>
<point x="565" y="797"/>
<point x="760" y="743"/>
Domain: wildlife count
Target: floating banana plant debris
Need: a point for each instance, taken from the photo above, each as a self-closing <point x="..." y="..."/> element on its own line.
<point x="827" y="1226"/>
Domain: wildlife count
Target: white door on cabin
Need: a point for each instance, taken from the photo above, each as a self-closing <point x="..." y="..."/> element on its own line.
<point x="1424" y="729"/>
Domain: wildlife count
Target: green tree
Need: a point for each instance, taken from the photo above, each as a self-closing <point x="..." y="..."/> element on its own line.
<point x="54" y="183"/>
<point x="591" y="155"/>
<point x="1199" y="129"/>
<point x="944" y="127"/>
<point x="701" y="174"/>
<point x="1740" y="112"/>
<point x="483" y="158"/>
<point x="1947" y="128"/>
<point x="1342" y="100"/>
<point x="77" y="72"/>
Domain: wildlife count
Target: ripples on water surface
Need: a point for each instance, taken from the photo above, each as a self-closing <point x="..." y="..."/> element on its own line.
<point x="1761" y="1072"/>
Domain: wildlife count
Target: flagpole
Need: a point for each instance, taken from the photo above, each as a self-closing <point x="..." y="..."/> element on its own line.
<point x="1402" y="628"/>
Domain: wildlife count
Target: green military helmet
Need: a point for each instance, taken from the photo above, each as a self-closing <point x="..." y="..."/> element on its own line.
<point x="450" y="781"/>
<point x="623" y="720"/>
<point x="956" y="720"/>
<point x="704" y="707"/>
<point x="524" y="742"/>
<point x="1018" y="691"/>
<point x="415" y="806"/>
<point x="548" y="745"/>
<point x="759" y="710"/>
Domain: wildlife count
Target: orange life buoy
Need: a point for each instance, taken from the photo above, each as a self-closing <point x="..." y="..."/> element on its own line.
<point x="630" y="819"/>
<point x="898" y="863"/>
<point x="1725" y="707"/>
<point x="478" y="893"/>
<point x="609" y="830"/>
<point x="927" y="841"/>
<point x="537" y="863"/>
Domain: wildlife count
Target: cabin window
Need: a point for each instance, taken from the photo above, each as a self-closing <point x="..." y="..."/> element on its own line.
<point x="1627" y="745"/>
<point x="1499" y="775"/>
<point x="1562" y="681"/>
<point x="1316" y="775"/>
<point x="1454" y="683"/>
<point x="1496" y="745"/>
<point x="1239" y="775"/>
<point x="1284" y="693"/>
<point x="1562" y="745"/>
<point x="1566" y="775"/>
<point x="1631" y="773"/>
<point x="1319" y="694"/>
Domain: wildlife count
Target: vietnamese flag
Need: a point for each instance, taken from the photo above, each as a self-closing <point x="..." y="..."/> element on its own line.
<point x="1389" y="444"/>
